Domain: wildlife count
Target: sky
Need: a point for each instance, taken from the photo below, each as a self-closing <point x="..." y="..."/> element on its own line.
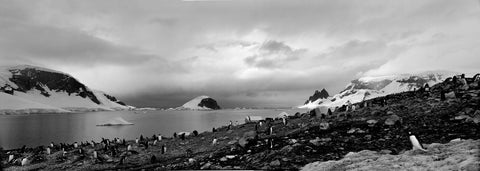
<point x="246" y="53"/>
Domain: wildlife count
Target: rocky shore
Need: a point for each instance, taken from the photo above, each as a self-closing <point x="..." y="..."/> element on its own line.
<point x="380" y="127"/>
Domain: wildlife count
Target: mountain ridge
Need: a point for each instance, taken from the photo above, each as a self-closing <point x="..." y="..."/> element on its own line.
<point x="32" y="89"/>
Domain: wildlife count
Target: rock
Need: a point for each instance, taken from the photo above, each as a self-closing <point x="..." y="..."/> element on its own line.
<point x="275" y="163"/>
<point x="191" y="160"/>
<point x="368" y="137"/>
<point x="351" y="131"/>
<point x="372" y="122"/>
<point x="389" y="113"/>
<point x="325" y="139"/>
<point x="229" y="131"/>
<point x="287" y="149"/>
<point x="462" y="117"/>
<point x="392" y="119"/>
<point x="232" y="142"/>
<point x="315" y="141"/>
<point x="324" y="125"/>
<point x="247" y="136"/>
<point x="223" y="159"/>
<point x="292" y="141"/>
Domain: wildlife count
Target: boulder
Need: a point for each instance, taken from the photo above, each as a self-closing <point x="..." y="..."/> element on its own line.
<point x="324" y="125"/>
<point x="275" y="163"/>
<point x="247" y="136"/>
<point x="392" y="119"/>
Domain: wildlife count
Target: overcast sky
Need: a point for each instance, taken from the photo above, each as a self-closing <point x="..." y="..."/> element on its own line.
<point x="240" y="52"/>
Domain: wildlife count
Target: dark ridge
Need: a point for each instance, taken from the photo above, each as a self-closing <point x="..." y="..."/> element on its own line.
<point x="318" y="95"/>
<point x="30" y="78"/>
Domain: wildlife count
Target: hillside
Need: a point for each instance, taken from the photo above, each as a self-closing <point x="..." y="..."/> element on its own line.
<point x="200" y="103"/>
<point x="371" y="87"/>
<point x="31" y="89"/>
<point x="381" y="128"/>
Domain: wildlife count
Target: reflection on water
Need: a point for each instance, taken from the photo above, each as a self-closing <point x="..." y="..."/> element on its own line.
<point x="33" y="130"/>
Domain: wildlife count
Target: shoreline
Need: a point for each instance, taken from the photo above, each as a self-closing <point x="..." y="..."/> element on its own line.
<point x="304" y="139"/>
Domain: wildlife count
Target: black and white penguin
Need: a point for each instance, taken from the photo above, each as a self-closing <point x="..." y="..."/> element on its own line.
<point x="415" y="143"/>
<point x="49" y="151"/>
<point x="164" y="149"/>
<point x="214" y="141"/>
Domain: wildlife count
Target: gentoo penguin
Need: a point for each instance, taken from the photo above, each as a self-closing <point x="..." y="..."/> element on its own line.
<point x="51" y="144"/>
<point x="25" y="161"/>
<point x="136" y="141"/>
<point x="49" y="151"/>
<point x="129" y="147"/>
<point x="271" y="130"/>
<point x="271" y="143"/>
<point x="415" y="143"/>
<point x="75" y="145"/>
<point x="164" y="149"/>
<point x="214" y="141"/>
<point x="155" y="142"/>
<point x="159" y="137"/>
<point x="284" y="121"/>
<point x="10" y="158"/>
<point x="95" y="154"/>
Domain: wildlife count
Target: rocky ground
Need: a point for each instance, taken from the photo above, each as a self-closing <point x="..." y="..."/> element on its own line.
<point x="381" y="128"/>
<point x="455" y="155"/>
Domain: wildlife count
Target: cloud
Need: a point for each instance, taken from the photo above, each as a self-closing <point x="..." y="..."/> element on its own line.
<point x="273" y="54"/>
<point x="243" y="52"/>
<point x="48" y="43"/>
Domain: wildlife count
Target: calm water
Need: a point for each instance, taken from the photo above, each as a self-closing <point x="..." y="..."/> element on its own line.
<point x="41" y="129"/>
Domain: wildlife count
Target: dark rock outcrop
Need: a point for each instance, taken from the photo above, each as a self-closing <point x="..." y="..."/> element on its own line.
<point x="209" y="103"/>
<point x="318" y="95"/>
<point x="29" y="78"/>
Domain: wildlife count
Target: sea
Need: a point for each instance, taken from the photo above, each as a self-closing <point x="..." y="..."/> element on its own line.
<point x="40" y="129"/>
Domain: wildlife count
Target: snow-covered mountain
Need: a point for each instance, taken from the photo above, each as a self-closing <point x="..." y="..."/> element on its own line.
<point x="370" y="87"/>
<point x="31" y="89"/>
<point x="200" y="103"/>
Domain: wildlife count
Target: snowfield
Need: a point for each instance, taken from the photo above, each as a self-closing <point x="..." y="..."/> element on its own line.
<point x="366" y="88"/>
<point x="194" y="104"/>
<point x="32" y="101"/>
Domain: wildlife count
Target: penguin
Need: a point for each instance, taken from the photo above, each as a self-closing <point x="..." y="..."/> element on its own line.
<point x="415" y="143"/>
<point x="271" y="143"/>
<point x="164" y="149"/>
<point x="136" y="141"/>
<point x="10" y="158"/>
<point x="64" y="153"/>
<point x="271" y="130"/>
<point x="214" y="141"/>
<point x="129" y="147"/>
<point x="155" y="142"/>
<point x="95" y="154"/>
<point x="75" y="145"/>
<point x="49" y="151"/>
<point x="159" y="137"/>
<point x="260" y="123"/>
<point x="284" y="121"/>
<point x="51" y="144"/>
